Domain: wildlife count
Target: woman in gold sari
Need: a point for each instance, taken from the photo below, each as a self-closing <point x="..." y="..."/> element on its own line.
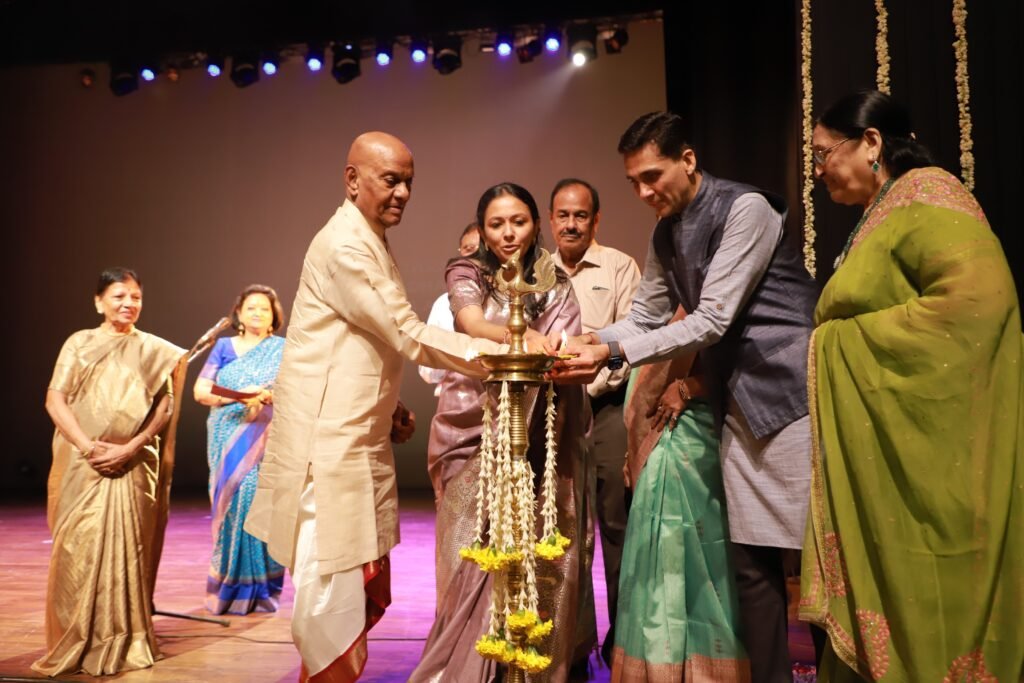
<point x="109" y="399"/>
<point x="915" y="548"/>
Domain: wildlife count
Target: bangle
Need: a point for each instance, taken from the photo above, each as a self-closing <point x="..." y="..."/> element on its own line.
<point x="684" y="391"/>
<point x="86" y="453"/>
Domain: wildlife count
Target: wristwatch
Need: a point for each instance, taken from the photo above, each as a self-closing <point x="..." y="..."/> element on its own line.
<point x="615" y="359"/>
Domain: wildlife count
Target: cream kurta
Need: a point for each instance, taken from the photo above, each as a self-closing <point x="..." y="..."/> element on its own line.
<point x="350" y="327"/>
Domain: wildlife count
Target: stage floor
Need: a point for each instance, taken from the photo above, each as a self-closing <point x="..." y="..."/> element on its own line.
<point x="257" y="647"/>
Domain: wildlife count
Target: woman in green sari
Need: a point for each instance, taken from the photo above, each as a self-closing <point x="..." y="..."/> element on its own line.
<point x="914" y="553"/>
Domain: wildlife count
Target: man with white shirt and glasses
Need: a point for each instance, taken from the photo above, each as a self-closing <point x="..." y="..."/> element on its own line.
<point x="605" y="281"/>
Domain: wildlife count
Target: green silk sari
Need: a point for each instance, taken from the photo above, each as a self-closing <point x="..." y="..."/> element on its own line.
<point x="914" y="559"/>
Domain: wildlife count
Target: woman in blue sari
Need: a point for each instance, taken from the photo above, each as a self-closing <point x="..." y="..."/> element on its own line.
<point x="236" y="382"/>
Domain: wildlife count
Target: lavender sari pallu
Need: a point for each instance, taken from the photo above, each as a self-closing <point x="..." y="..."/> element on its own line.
<point x="463" y="590"/>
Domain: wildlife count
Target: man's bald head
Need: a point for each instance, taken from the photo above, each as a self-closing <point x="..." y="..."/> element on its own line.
<point x="378" y="177"/>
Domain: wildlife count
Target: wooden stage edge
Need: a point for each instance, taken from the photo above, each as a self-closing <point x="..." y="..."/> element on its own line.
<point x="256" y="647"/>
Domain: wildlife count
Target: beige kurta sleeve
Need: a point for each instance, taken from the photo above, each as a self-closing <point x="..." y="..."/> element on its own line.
<point x="372" y="301"/>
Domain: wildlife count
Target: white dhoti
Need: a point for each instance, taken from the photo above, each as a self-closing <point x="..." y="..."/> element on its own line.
<point x="329" y="621"/>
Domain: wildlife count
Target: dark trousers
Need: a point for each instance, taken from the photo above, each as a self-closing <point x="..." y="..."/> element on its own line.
<point x="608" y="452"/>
<point x="761" y="587"/>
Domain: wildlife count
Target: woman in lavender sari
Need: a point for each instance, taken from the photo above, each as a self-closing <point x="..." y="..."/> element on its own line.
<point x="243" y="578"/>
<point x="509" y="223"/>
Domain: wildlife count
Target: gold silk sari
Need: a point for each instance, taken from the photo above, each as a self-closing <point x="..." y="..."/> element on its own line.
<point x="107" y="531"/>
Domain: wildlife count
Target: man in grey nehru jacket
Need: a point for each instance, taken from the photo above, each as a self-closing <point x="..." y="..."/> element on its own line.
<point x="720" y="251"/>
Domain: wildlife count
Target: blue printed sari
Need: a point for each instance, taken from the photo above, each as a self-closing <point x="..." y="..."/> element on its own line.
<point x="243" y="577"/>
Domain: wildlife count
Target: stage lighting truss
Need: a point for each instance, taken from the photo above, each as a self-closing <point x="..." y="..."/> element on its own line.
<point x="527" y="41"/>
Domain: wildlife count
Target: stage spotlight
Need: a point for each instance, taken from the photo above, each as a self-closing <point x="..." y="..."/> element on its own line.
<point x="123" y="78"/>
<point x="270" y="63"/>
<point x="314" y="57"/>
<point x="148" y="73"/>
<point x="528" y="50"/>
<point x="244" y="71"/>
<point x="385" y="51"/>
<point x="552" y="38"/>
<point x="418" y="50"/>
<point x="172" y="74"/>
<point x="345" y="66"/>
<point x="87" y="77"/>
<point x="582" y="41"/>
<point x="614" y="43"/>
<point x="214" y="65"/>
<point x="503" y="43"/>
<point x="447" y="54"/>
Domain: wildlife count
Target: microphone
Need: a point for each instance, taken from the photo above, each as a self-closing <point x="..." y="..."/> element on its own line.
<point x="208" y="336"/>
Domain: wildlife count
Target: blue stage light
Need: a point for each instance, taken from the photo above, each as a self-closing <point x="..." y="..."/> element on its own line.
<point x="314" y="57"/>
<point x="384" y="52"/>
<point x="269" y="68"/>
<point x="503" y="44"/>
<point x="552" y="39"/>
<point x="147" y="74"/>
<point x="214" y="64"/>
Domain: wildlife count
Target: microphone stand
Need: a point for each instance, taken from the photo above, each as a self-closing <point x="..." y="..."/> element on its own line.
<point x="201" y="345"/>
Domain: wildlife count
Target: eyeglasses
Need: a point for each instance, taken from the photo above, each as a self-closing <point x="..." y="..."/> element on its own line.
<point x="820" y="155"/>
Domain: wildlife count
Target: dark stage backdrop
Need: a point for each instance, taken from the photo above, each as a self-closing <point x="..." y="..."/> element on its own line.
<point x="733" y="70"/>
<point x="205" y="188"/>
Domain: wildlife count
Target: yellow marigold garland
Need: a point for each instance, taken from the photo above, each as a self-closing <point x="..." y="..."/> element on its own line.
<point x="496" y="648"/>
<point x="531" y="661"/>
<point x="552" y="547"/>
<point x="963" y="93"/>
<point x="540" y="631"/>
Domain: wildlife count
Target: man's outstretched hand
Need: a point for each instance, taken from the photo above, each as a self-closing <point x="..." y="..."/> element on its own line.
<point x="403" y="424"/>
<point x="587" y="360"/>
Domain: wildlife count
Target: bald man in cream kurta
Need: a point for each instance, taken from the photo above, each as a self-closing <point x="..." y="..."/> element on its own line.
<point x="326" y="502"/>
